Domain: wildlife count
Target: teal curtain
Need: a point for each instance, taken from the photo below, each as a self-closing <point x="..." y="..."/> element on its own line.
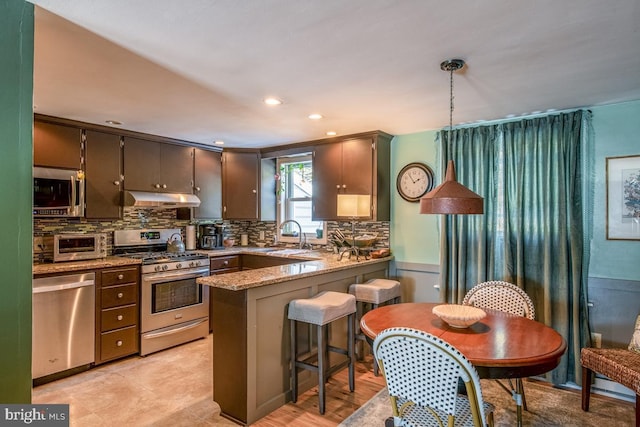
<point x="531" y="234"/>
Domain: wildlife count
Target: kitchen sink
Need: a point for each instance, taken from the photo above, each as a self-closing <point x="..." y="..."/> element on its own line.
<point x="293" y="252"/>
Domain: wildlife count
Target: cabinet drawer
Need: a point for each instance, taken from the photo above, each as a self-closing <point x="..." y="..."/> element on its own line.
<point x="118" y="343"/>
<point x="118" y="277"/>
<point x="119" y="295"/>
<point x="225" y="262"/>
<point x="120" y="317"/>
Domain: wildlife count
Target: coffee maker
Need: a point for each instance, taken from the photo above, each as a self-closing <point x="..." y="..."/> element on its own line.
<point x="210" y="236"/>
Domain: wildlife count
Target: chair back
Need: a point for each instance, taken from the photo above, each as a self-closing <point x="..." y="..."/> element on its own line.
<point x="422" y="372"/>
<point x="501" y="296"/>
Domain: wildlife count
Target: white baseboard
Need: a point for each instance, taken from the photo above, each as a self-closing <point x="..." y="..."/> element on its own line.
<point x="610" y="388"/>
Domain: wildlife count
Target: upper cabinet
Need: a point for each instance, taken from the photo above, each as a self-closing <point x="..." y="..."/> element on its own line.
<point x="207" y="174"/>
<point x="57" y="146"/>
<point x="359" y="165"/>
<point x="240" y="184"/>
<point x="103" y="175"/>
<point x="157" y="167"/>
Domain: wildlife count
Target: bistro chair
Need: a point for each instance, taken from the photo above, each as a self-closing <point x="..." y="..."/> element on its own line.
<point x="422" y="374"/>
<point x="501" y="296"/>
<point x="508" y="298"/>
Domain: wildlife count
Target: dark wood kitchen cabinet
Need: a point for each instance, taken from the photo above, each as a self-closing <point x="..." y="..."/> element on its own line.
<point x="103" y="175"/>
<point x="117" y="313"/>
<point x="240" y="184"/>
<point x="359" y="165"/>
<point x="157" y="167"/>
<point x="56" y="145"/>
<point x="207" y="172"/>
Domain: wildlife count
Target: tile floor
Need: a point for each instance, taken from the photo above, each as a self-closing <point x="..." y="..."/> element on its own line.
<point x="169" y="388"/>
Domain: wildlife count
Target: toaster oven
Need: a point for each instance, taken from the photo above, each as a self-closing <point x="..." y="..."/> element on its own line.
<point x="75" y="247"/>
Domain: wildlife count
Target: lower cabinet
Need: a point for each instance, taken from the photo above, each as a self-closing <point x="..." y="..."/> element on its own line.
<point x="117" y="313"/>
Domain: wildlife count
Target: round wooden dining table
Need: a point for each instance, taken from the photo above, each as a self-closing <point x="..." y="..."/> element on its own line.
<point x="500" y="346"/>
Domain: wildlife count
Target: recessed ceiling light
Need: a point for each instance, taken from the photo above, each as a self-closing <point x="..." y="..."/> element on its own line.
<point x="113" y="122"/>
<point x="218" y="142"/>
<point x="331" y="133"/>
<point x="315" y="116"/>
<point x="272" y="101"/>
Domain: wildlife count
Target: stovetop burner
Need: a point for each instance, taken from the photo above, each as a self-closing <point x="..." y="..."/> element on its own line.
<point x="160" y="257"/>
<point x="150" y="246"/>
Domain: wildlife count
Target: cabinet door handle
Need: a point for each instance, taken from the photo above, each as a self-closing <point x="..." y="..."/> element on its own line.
<point x="254" y="191"/>
<point x="164" y="185"/>
<point x="120" y="294"/>
<point x="338" y="186"/>
<point x="120" y="276"/>
<point x="226" y="262"/>
<point x="344" y="185"/>
<point x="120" y="317"/>
<point x="157" y="186"/>
<point x="116" y="182"/>
<point x="119" y="343"/>
<point x="197" y="188"/>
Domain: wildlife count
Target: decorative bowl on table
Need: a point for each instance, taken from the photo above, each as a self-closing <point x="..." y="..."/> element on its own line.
<point x="459" y="316"/>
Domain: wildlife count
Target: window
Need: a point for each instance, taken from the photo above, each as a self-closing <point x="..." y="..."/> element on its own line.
<point x="294" y="189"/>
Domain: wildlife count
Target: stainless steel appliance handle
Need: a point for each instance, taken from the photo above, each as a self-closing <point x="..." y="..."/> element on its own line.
<point x="72" y="202"/>
<point x="189" y="325"/>
<point x="73" y="285"/>
<point x="152" y="277"/>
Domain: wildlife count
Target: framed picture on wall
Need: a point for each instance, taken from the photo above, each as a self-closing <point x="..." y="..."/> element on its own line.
<point x="623" y="198"/>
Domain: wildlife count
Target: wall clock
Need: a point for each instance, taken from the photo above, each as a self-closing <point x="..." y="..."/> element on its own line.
<point x="414" y="181"/>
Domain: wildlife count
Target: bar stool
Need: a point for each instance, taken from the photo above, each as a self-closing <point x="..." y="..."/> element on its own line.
<point x="375" y="292"/>
<point x="321" y="310"/>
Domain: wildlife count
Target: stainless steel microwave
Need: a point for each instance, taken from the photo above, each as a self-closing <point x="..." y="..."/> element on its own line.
<point x="58" y="192"/>
<point x="74" y="247"/>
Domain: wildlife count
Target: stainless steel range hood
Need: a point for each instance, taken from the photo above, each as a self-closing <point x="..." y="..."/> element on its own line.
<point x="143" y="199"/>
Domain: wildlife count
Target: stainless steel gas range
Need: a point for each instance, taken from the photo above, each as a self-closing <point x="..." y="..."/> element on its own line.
<point x="174" y="309"/>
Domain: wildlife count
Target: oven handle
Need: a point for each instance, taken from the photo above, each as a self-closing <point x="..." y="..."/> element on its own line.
<point x="176" y="275"/>
<point x="189" y="325"/>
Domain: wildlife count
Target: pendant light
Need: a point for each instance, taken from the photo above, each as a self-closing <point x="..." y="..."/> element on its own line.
<point x="451" y="197"/>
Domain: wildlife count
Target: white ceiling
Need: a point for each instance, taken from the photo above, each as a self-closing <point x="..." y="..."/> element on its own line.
<point x="198" y="70"/>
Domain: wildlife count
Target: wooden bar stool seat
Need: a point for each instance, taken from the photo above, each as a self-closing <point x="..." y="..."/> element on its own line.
<point x="321" y="310"/>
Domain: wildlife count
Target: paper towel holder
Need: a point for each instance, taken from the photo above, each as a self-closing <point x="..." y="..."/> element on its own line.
<point x="190" y="243"/>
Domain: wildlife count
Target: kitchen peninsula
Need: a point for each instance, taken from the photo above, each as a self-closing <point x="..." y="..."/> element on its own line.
<point x="251" y="375"/>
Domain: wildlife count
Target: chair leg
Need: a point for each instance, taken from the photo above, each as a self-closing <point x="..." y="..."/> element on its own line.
<point x="294" y="369"/>
<point x="322" y="355"/>
<point x="586" y="390"/>
<point x="376" y="369"/>
<point x="351" y="320"/>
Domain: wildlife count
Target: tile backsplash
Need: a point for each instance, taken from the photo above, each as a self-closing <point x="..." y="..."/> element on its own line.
<point x="136" y="218"/>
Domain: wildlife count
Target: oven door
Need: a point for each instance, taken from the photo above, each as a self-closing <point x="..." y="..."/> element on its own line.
<point x="173" y="298"/>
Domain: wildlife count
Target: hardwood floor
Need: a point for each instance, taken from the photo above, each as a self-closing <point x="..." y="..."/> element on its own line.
<point x="340" y="403"/>
<point x="174" y="388"/>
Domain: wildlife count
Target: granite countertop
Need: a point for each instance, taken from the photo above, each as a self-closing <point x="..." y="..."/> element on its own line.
<point x="69" y="266"/>
<point x="311" y="263"/>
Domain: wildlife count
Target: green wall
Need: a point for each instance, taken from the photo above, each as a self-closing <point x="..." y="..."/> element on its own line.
<point x="16" y="124"/>
<point x="617" y="133"/>
<point x="414" y="237"/>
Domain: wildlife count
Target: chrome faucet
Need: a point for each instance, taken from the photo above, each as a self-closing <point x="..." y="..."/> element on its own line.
<point x="301" y="237"/>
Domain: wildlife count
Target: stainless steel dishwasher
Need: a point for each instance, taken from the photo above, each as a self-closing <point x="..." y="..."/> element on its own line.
<point x="63" y="323"/>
